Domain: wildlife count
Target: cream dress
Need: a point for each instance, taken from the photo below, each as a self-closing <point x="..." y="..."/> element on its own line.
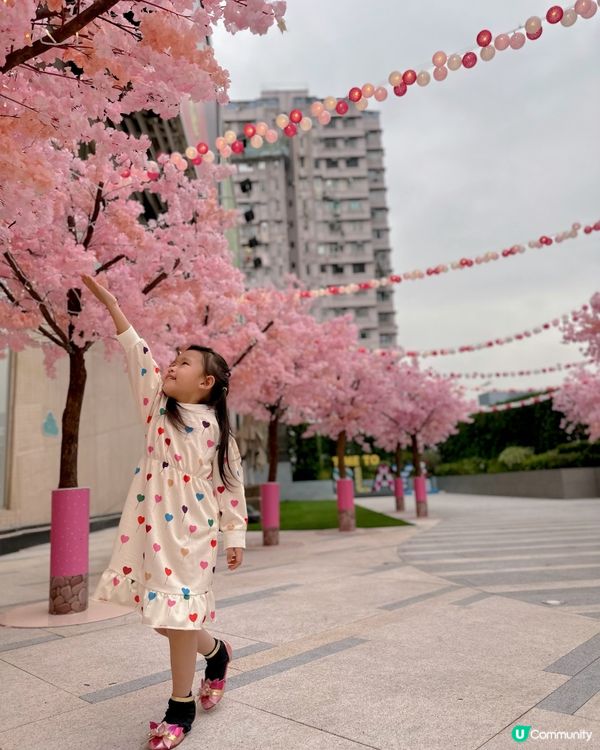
<point x="165" y="550"/>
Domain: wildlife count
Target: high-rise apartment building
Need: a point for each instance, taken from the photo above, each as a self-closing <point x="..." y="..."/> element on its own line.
<point x="315" y="206"/>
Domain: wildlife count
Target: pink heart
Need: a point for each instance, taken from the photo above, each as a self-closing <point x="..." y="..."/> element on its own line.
<point x="210" y="443"/>
<point x="235" y="502"/>
<point x="124" y="538"/>
<point x="116" y="581"/>
<point x="171" y="602"/>
<point x="212" y="614"/>
<point x="177" y="457"/>
<point x="192" y="528"/>
<point x="146" y="401"/>
<point x="203" y="564"/>
<point x="150" y="449"/>
<point x="156" y="547"/>
<point x="158" y="498"/>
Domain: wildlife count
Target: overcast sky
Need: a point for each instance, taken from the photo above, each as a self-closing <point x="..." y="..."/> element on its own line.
<point x="491" y="157"/>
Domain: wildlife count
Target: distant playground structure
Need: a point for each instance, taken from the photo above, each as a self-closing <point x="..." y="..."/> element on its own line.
<point x="384" y="476"/>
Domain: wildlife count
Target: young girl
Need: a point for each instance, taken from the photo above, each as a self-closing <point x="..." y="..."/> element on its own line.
<point x="188" y="485"/>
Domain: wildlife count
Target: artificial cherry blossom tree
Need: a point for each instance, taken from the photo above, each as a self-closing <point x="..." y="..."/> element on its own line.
<point x="584" y="328"/>
<point x="579" y="400"/>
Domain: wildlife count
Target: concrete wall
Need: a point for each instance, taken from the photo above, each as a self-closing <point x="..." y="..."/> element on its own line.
<point x="558" y="483"/>
<point x="111" y="438"/>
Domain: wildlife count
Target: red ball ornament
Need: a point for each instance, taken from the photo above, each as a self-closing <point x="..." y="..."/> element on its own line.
<point x="409" y="77"/>
<point x="290" y="130"/>
<point x="535" y="36"/>
<point x="125" y="174"/>
<point x="341" y="107"/>
<point x="395" y="279"/>
<point x="588" y="230"/>
<point x="295" y="115"/>
<point x="554" y="14"/>
<point x="484" y="38"/>
<point x="237" y="147"/>
<point x="597" y="226"/>
<point x="355" y="94"/>
<point x="202" y="148"/>
<point x="400" y="89"/>
<point x="249" y="130"/>
<point x="469" y="59"/>
<point x="197" y="160"/>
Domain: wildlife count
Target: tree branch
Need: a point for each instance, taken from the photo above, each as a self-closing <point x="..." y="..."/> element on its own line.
<point x="39" y="47"/>
<point x="251" y="346"/>
<point x="95" y="212"/>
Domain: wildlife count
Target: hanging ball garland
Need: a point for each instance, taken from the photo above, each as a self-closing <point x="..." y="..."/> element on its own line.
<point x="341" y="107"/>
<point x="290" y="130"/>
<point x="400" y="89"/>
<point x="484" y="38"/>
<point x="355" y="94"/>
<point x="249" y="130"/>
<point x="554" y="14"/>
<point x="469" y="60"/>
<point x="295" y="116"/>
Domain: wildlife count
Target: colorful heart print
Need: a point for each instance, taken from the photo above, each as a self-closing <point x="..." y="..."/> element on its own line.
<point x="157" y="498"/>
<point x="199" y="495"/>
<point x="235" y="503"/>
<point x="213" y="542"/>
<point x="151" y="595"/>
<point x="189" y="429"/>
<point x="141" y="519"/>
<point x="210" y="443"/>
<point x="141" y="498"/>
<point x="148" y="528"/>
<point x="171" y="602"/>
<point x="203" y="564"/>
<point x="193" y="617"/>
<point x="124" y="538"/>
<point x="221" y="490"/>
<point x="168" y="571"/>
<point x="193" y="528"/>
<point x="210" y="521"/>
<point x="156" y="547"/>
<point x="184" y="551"/>
<point x="168" y="517"/>
<point x="126" y="570"/>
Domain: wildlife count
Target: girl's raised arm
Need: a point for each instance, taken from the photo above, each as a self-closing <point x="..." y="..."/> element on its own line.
<point x="144" y="374"/>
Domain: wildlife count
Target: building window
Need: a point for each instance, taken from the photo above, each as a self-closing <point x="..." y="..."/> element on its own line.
<point x="331" y="163"/>
<point x="352" y="162"/>
<point x="364" y="334"/>
<point x="355" y="206"/>
<point x="323" y="269"/>
<point x="358" y="267"/>
<point x="330" y="142"/>
<point x="337" y="268"/>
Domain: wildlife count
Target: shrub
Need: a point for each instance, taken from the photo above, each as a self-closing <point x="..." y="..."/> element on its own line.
<point x="514" y="456"/>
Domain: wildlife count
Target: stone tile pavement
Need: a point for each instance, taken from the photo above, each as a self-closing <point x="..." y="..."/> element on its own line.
<point x="446" y="634"/>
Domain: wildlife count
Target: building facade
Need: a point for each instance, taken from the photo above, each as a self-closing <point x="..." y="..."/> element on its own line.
<point x="315" y="206"/>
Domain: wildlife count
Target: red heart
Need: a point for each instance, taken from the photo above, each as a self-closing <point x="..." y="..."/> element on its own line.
<point x="167" y="441"/>
<point x="148" y="527"/>
<point x="157" y="369"/>
<point x="146" y="401"/>
<point x="221" y="489"/>
<point x="186" y="478"/>
<point x="141" y="520"/>
<point x="148" y="477"/>
<point x="160" y="430"/>
<point x="149" y="418"/>
<point x="136" y="598"/>
<point x="213" y="542"/>
<point x="193" y="617"/>
<point x="168" y="571"/>
<point x="126" y="569"/>
<point x="246" y="519"/>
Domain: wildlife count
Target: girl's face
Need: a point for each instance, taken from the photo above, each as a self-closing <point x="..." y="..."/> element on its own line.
<point x="185" y="380"/>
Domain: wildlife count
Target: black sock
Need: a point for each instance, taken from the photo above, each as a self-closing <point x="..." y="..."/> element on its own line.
<point x="215" y="665"/>
<point x="182" y="713"/>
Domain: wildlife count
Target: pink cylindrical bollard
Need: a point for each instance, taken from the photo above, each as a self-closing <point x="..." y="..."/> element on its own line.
<point x="420" y="496"/>
<point x="269" y="512"/>
<point x="399" y="493"/>
<point x="345" y="505"/>
<point x="69" y="550"/>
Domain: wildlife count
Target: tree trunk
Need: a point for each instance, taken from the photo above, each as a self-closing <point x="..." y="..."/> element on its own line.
<point x="341" y="452"/>
<point x="398" y="460"/>
<point x="416" y="456"/>
<point x="273" y="424"/>
<point x="71" y="419"/>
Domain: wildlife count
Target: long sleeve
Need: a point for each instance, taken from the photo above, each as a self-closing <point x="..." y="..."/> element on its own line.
<point x="233" y="516"/>
<point x="144" y="374"/>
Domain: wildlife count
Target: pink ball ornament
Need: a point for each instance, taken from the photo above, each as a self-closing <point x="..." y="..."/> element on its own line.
<point x="367" y="90"/>
<point x="440" y="74"/>
<point x="533" y="25"/>
<point x="487" y="53"/>
<point x="484" y="38"/>
<point x="454" y="62"/>
<point x="237" y="147"/>
<point x="501" y="42"/>
<point x="395" y="77"/>
<point x="400" y="89"/>
<point x="354" y="94"/>
<point x="295" y="116"/>
<point x="381" y="94"/>
<point x="341" y="107"/>
<point x="271" y="136"/>
<point x="316" y="108"/>
<point x="536" y="35"/>
<point x="226" y="151"/>
<point x="290" y="130"/>
<point x="554" y="14"/>
<point x="439" y="59"/>
<point x="591" y="12"/>
<point x="249" y="130"/>
<point x="517" y="40"/>
<point x="423" y="78"/>
<point x="324" y="118"/>
<point x="409" y="77"/>
<point x="469" y="60"/>
<point x="568" y="18"/>
<point x="219" y="143"/>
<point x="125" y="174"/>
<point x="582" y="7"/>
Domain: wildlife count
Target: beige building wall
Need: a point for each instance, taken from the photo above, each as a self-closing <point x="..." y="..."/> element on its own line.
<point x="111" y="436"/>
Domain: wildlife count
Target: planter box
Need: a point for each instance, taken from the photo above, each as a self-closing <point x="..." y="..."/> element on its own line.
<point x="553" y="483"/>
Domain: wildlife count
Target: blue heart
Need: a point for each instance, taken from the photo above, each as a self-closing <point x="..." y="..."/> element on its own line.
<point x="151" y="595"/>
<point x="189" y="429"/>
<point x="186" y="591"/>
<point x="168" y="517"/>
<point x="144" y="371"/>
<point x="50" y="427"/>
<point x="199" y="495"/>
<point x="137" y="471"/>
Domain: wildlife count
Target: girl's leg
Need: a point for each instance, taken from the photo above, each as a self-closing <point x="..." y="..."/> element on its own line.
<point x="206" y="642"/>
<point x="183" y="646"/>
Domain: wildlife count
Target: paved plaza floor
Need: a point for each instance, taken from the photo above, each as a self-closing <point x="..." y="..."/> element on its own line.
<point x="482" y="617"/>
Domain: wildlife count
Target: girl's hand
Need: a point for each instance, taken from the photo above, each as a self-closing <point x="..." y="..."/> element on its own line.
<point x="235" y="555"/>
<point x="100" y="292"/>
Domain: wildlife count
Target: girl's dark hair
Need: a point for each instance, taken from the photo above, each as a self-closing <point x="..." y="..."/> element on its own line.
<point x="214" y="365"/>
